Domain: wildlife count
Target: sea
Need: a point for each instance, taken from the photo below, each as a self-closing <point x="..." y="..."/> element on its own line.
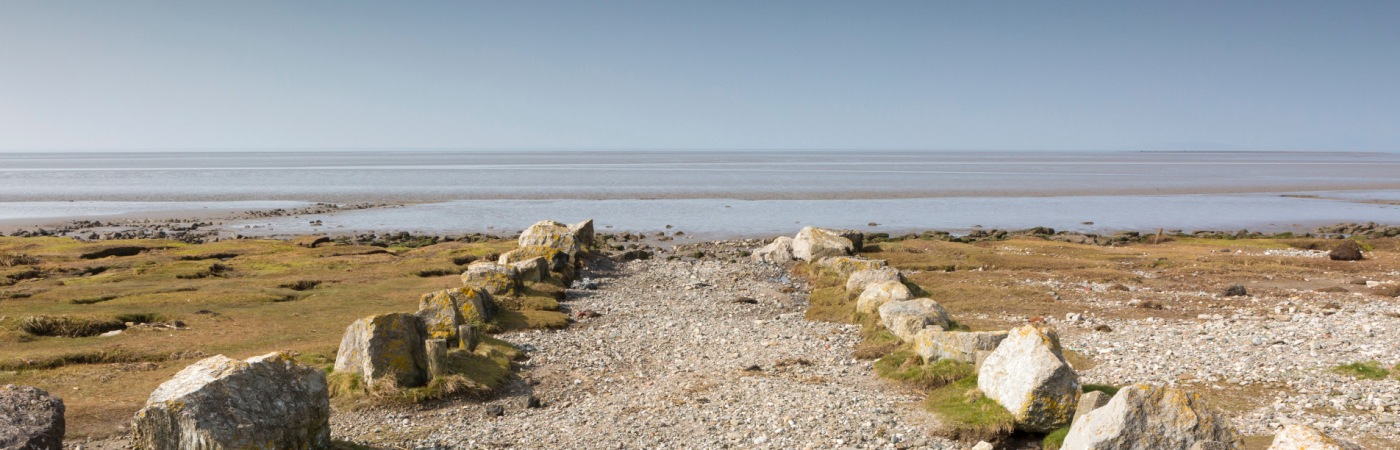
<point x="711" y="194"/>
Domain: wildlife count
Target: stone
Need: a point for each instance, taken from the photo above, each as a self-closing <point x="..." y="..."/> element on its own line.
<point x="30" y="418"/>
<point x="583" y="233"/>
<point x="1303" y="437"/>
<point x="1210" y="445"/>
<point x="777" y="252"/>
<point x="983" y="445"/>
<point x="439" y="314"/>
<point x="492" y="277"/>
<point x="812" y="244"/>
<point x="533" y="269"/>
<point x="555" y="260"/>
<point x="859" y="279"/>
<point x="907" y="318"/>
<point x="1088" y="402"/>
<point x="879" y="294"/>
<point x="269" y="401"/>
<point x="933" y="344"/>
<point x="436" y="351"/>
<point x="385" y="348"/>
<point x="495" y="411"/>
<point x="474" y="306"/>
<point x="634" y="255"/>
<point x="1028" y="375"/>
<point x="548" y="233"/>
<point x="844" y="266"/>
<point x="1347" y="250"/>
<point x="1236" y="290"/>
<point x="1144" y="417"/>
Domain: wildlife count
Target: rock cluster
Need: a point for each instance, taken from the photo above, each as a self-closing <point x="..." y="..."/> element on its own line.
<point x="30" y="418"/>
<point x="269" y="401"/>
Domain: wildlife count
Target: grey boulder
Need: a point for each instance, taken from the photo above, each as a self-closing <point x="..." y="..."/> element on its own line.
<point x="266" y="402"/>
<point x="879" y="294"/>
<point x="777" y="252"/>
<point x="30" y="418"/>
<point x="493" y="277"/>
<point x="1143" y="417"/>
<point x="933" y="344"/>
<point x="859" y="279"/>
<point x="1303" y="437"/>
<point x="812" y="244"/>
<point x="385" y="348"/>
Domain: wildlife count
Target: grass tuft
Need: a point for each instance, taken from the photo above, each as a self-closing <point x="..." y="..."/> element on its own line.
<point x="68" y="326"/>
<point x="1104" y="388"/>
<point x="301" y="285"/>
<point x="1055" y="439"/>
<point x="908" y="368"/>
<point x="1369" y="370"/>
<point x="17" y="259"/>
<point x="967" y="415"/>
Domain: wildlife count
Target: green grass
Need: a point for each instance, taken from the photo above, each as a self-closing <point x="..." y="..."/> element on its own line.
<point x="966" y="414"/>
<point x="1369" y="370"/>
<point x="906" y="367"/>
<point x="1104" y="388"/>
<point x="1055" y="439"/>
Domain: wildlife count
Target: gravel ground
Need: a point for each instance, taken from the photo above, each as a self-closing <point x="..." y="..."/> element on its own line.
<point x="676" y="360"/>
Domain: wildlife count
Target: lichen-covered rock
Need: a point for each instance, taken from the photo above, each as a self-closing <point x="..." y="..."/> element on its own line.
<point x="907" y="318"/>
<point x="881" y="293"/>
<point x="30" y="418"/>
<point x="386" y="347"/>
<point x="1303" y="437"/>
<point x="844" y="266"/>
<point x="583" y="232"/>
<point x="266" y="402"/>
<point x="548" y="233"/>
<point x="476" y="305"/>
<point x="558" y="260"/>
<point x="439" y="314"/>
<point x="494" y="278"/>
<point x="933" y="344"/>
<point x="1088" y="402"/>
<point x="862" y="278"/>
<point x="812" y="244"/>
<point x="777" y="252"/>
<point x="1029" y="376"/>
<point x="533" y="269"/>
<point x="1143" y="417"/>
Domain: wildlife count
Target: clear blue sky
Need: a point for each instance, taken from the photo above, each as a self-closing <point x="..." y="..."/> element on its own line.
<point x="1231" y="75"/>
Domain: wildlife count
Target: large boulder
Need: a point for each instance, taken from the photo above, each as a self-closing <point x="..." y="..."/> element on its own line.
<point x="881" y="293"/>
<point x="777" y="252"/>
<point x="1347" y="250"/>
<point x="557" y="260"/>
<point x="862" y="278"/>
<point x="492" y="277"/>
<point x="385" y="348"/>
<point x="1143" y="417"/>
<point x="476" y="305"/>
<point x="1303" y="437"/>
<point x="583" y="233"/>
<point x="933" y="344"/>
<point x="812" y="244"/>
<point x="30" y="419"/>
<point x="1029" y="376"/>
<point x="845" y="266"/>
<point x="439" y="314"/>
<point x="532" y="270"/>
<point x="907" y="318"/>
<point x="269" y="402"/>
<point x="548" y="233"/>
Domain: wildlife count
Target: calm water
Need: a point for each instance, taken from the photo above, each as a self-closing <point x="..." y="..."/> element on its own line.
<point x="719" y="192"/>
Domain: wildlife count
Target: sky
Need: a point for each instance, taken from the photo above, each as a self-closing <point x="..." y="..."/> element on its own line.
<point x="1000" y="75"/>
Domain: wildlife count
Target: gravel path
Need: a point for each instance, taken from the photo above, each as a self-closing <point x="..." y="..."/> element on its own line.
<point x="676" y="360"/>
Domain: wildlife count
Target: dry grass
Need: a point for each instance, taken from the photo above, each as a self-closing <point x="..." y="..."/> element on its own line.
<point x="239" y="298"/>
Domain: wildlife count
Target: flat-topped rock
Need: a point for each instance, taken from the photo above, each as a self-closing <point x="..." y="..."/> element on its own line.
<point x="548" y="233"/>
<point x="858" y="280"/>
<point x="265" y="402"/>
<point x="385" y="347"/>
<point x="933" y="344"/>
<point x="844" y="266"/>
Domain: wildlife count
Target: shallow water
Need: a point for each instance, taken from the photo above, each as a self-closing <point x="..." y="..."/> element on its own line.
<point x="711" y="194"/>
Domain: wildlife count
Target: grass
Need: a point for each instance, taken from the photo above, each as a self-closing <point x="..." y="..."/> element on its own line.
<point x="906" y="367"/>
<point x="966" y="415"/>
<point x="1055" y="439"/>
<point x="235" y="298"/>
<point x="1104" y="388"/>
<point x="1369" y="370"/>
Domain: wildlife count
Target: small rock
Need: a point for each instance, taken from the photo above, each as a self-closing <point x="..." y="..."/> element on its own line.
<point x="1236" y="290"/>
